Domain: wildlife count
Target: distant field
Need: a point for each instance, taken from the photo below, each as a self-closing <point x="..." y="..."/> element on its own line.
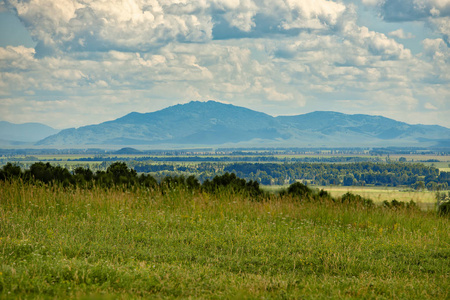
<point x="418" y="157"/>
<point x="438" y="165"/>
<point x="425" y="199"/>
<point x="381" y="194"/>
<point x="443" y="160"/>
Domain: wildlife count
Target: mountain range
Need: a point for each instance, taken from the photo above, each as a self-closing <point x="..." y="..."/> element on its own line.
<point x="214" y="123"/>
<point x="21" y="134"/>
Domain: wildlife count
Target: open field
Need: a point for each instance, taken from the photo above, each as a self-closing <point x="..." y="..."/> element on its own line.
<point x="420" y="157"/>
<point x="439" y="165"/>
<point x="57" y="243"/>
<point x="425" y="199"/>
<point x="441" y="160"/>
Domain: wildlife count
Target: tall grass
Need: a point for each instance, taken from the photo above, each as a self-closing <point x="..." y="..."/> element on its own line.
<point x="72" y="243"/>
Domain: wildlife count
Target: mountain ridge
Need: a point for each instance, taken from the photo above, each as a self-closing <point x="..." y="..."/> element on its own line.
<point x="25" y="133"/>
<point x="216" y="123"/>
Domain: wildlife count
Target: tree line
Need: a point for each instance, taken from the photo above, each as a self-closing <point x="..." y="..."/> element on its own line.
<point x="229" y="158"/>
<point x="355" y="174"/>
<point x="414" y="175"/>
<point x="119" y="175"/>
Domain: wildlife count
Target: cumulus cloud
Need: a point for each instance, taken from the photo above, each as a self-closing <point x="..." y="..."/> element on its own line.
<point x="399" y="33"/>
<point x="436" y="13"/>
<point x="413" y="10"/>
<point x="137" y="25"/>
<point x="142" y="25"/>
<point x="377" y="43"/>
<point x="143" y="55"/>
<point x="436" y="48"/>
<point x="314" y="15"/>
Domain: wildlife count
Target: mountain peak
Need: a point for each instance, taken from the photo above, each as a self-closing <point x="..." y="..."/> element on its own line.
<point x="216" y="123"/>
<point x="24" y="133"/>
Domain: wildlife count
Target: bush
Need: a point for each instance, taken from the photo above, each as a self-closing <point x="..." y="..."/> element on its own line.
<point x="444" y="208"/>
<point x="443" y="203"/>
<point x="298" y="189"/>
<point x="121" y="174"/>
<point x="353" y="199"/>
<point x="10" y="171"/>
<point x="233" y="183"/>
<point x="47" y="173"/>
<point x="147" y="181"/>
<point x="395" y="204"/>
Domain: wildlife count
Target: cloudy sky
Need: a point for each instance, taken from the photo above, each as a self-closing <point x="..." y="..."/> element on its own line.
<point x="69" y="63"/>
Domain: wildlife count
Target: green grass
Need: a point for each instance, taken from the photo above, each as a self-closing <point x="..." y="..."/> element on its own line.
<point x="57" y="243"/>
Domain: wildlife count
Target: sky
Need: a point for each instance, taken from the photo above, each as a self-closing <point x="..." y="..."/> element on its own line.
<point x="70" y="63"/>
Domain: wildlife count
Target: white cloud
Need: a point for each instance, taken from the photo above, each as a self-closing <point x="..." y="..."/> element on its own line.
<point x="371" y="2"/>
<point x="75" y="25"/>
<point x="377" y="43"/>
<point x="410" y="10"/>
<point x="238" y="13"/>
<point x="442" y="26"/>
<point x="145" y="55"/>
<point x="312" y="14"/>
<point x="436" y="13"/>
<point x="428" y="105"/>
<point x="436" y="48"/>
<point x="399" y="33"/>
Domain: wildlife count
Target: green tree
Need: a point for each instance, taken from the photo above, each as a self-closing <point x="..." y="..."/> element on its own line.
<point x="10" y="171"/>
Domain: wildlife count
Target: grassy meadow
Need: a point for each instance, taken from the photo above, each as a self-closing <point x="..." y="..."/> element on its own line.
<point x="81" y="243"/>
<point x="424" y="198"/>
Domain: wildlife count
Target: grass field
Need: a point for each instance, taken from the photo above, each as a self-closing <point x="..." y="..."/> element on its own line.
<point x="425" y="199"/>
<point x="57" y="243"/>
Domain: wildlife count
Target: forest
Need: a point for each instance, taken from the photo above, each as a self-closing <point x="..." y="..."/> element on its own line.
<point x="414" y="175"/>
<point x="392" y="174"/>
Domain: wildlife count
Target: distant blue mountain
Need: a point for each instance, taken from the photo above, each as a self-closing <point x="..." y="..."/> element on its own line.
<point x="18" y="134"/>
<point x="215" y="123"/>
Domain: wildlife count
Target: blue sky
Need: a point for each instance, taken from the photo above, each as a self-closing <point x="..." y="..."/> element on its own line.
<point x="70" y="63"/>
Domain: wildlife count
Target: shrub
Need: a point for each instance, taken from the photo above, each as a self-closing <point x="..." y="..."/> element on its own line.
<point x="395" y="204"/>
<point x="10" y="171"/>
<point x="443" y="203"/>
<point x="353" y="199"/>
<point x="299" y="190"/>
<point x="147" y="181"/>
<point x="231" y="182"/>
<point x="444" y="208"/>
<point x="192" y="183"/>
